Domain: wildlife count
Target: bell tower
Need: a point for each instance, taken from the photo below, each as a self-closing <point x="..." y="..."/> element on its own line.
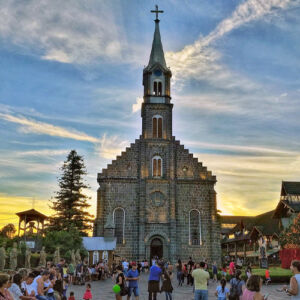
<point x="157" y="107"/>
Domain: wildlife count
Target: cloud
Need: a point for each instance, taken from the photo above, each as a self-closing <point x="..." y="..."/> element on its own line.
<point x="65" y="31"/>
<point x="202" y="61"/>
<point x="110" y="147"/>
<point x="42" y="153"/>
<point x="251" y="184"/>
<point x="257" y="150"/>
<point x="107" y="146"/>
<point x="33" y="126"/>
<point x="137" y="106"/>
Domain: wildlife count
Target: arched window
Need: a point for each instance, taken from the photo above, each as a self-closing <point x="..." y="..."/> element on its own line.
<point x="119" y="221"/>
<point x="194" y="228"/>
<point x="95" y="257"/>
<point x="157" y="126"/>
<point x="156" y="166"/>
<point x="157" y="88"/>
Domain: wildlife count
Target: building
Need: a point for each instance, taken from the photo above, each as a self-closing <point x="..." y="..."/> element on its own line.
<point x="156" y="198"/>
<point x="99" y="248"/>
<point x="241" y="234"/>
<point x="288" y="207"/>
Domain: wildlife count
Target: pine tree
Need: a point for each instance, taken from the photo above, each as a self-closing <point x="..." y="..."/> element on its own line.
<point x="70" y="204"/>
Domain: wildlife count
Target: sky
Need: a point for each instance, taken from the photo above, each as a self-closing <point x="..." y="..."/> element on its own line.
<point x="71" y="78"/>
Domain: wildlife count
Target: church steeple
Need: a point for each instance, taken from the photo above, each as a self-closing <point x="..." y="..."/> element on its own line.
<point x="157" y="108"/>
<point x="156" y="76"/>
<point x="157" y="52"/>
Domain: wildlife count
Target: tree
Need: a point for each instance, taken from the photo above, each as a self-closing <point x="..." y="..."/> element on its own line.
<point x="8" y="231"/>
<point x="70" y="204"/>
<point x="290" y="237"/>
<point x="65" y="240"/>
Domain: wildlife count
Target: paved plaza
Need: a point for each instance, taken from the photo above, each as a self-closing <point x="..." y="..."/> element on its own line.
<point x="102" y="290"/>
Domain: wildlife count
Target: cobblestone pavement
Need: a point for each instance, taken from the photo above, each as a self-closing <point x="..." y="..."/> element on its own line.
<point x="102" y="290"/>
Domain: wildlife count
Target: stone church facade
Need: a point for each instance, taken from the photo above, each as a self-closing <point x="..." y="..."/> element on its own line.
<point x="156" y="198"/>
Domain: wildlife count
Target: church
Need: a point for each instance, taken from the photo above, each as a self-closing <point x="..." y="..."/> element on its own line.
<point x="156" y="199"/>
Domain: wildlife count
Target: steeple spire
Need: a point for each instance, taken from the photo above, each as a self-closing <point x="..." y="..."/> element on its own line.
<point x="157" y="52"/>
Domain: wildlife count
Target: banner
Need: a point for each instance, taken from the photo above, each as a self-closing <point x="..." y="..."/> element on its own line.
<point x="287" y="255"/>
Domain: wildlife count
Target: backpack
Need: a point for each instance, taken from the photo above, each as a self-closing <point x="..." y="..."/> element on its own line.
<point x="234" y="290"/>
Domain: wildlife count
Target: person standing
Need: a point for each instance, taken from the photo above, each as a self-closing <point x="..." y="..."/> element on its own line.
<point x="167" y="284"/>
<point x="236" y="289"/>
<point x="88" y="293"/>
<point x="179" y="272"/>
<point x="231" y="268"/>
<point x="222" y="291"/>
<point x="125" y="265"/>
<point x="201" y="278"/>
<point x="252" y="291"/>
<point x="120" y="280"/>
<point x="215" y="272"/>
<point x="133" y="278"/>
<point x="153" y="283"/>
<point x="294" y="289"/>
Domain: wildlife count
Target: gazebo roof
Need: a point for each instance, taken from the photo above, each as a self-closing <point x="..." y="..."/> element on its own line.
<point x="31" y="215"/>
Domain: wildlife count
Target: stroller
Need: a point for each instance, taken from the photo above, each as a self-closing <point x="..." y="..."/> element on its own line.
<point x="79" y="275"/>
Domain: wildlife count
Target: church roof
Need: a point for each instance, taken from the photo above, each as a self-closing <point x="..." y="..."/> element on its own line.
<point x="290" y="188"/>
<point x="157" y="53"/>
<point x="263" y="222"/>
<point x="99" y="243"/>
<point x="289" y="200"/>
<point x="31" y="214"/>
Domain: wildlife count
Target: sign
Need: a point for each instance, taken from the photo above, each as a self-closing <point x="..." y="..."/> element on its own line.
<point x="30" y="244"/>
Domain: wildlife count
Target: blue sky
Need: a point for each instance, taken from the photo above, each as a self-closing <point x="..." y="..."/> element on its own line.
<point x="71" y="78"/>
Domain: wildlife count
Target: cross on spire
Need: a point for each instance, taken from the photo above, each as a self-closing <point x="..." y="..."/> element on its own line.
<point x="156" y="11"/>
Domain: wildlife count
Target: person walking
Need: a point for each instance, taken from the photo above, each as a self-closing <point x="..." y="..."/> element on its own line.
<point x="294" y="289"/>
<point x="222" y="291"/>
<point x="120" y="280"/>
<point x="236" y="289"/>
<point x="167" y="284"/>
<point x="179" y="272"/>
<point x="133" y="276"/>
<point x="201" y="278"/>
<point x="88" y="293"/>
<point x="252" y="291"/>
<point x="153" y="283"/>
<point x="215" y="271"/>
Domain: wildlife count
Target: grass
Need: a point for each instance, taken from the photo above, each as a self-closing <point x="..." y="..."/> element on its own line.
<point x="274" y="271"/>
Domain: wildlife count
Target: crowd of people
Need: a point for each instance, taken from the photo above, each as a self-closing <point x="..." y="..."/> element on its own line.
<point x="53" y="282"/>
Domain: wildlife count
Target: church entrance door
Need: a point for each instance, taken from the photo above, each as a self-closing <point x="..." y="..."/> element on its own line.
<point x="156" y="248"/>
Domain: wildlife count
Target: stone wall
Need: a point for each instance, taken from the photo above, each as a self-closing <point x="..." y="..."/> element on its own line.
<point x="186" y="184"/>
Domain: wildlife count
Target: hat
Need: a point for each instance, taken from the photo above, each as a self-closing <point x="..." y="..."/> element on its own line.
<point x="133" y="263"/>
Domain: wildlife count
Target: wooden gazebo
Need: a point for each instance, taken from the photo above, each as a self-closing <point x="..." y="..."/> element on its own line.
<point x="29" y="221"/>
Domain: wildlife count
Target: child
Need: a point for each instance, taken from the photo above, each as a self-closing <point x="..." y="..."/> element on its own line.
<point x="167" y="284"/>
<point x="88" y="294"/>
<point x="65" y="287"/>
<point x="71" y="296"/>
<point x="267" y="275"/>
<point x="224" y="271"/>
<point x="222" y="291"/>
